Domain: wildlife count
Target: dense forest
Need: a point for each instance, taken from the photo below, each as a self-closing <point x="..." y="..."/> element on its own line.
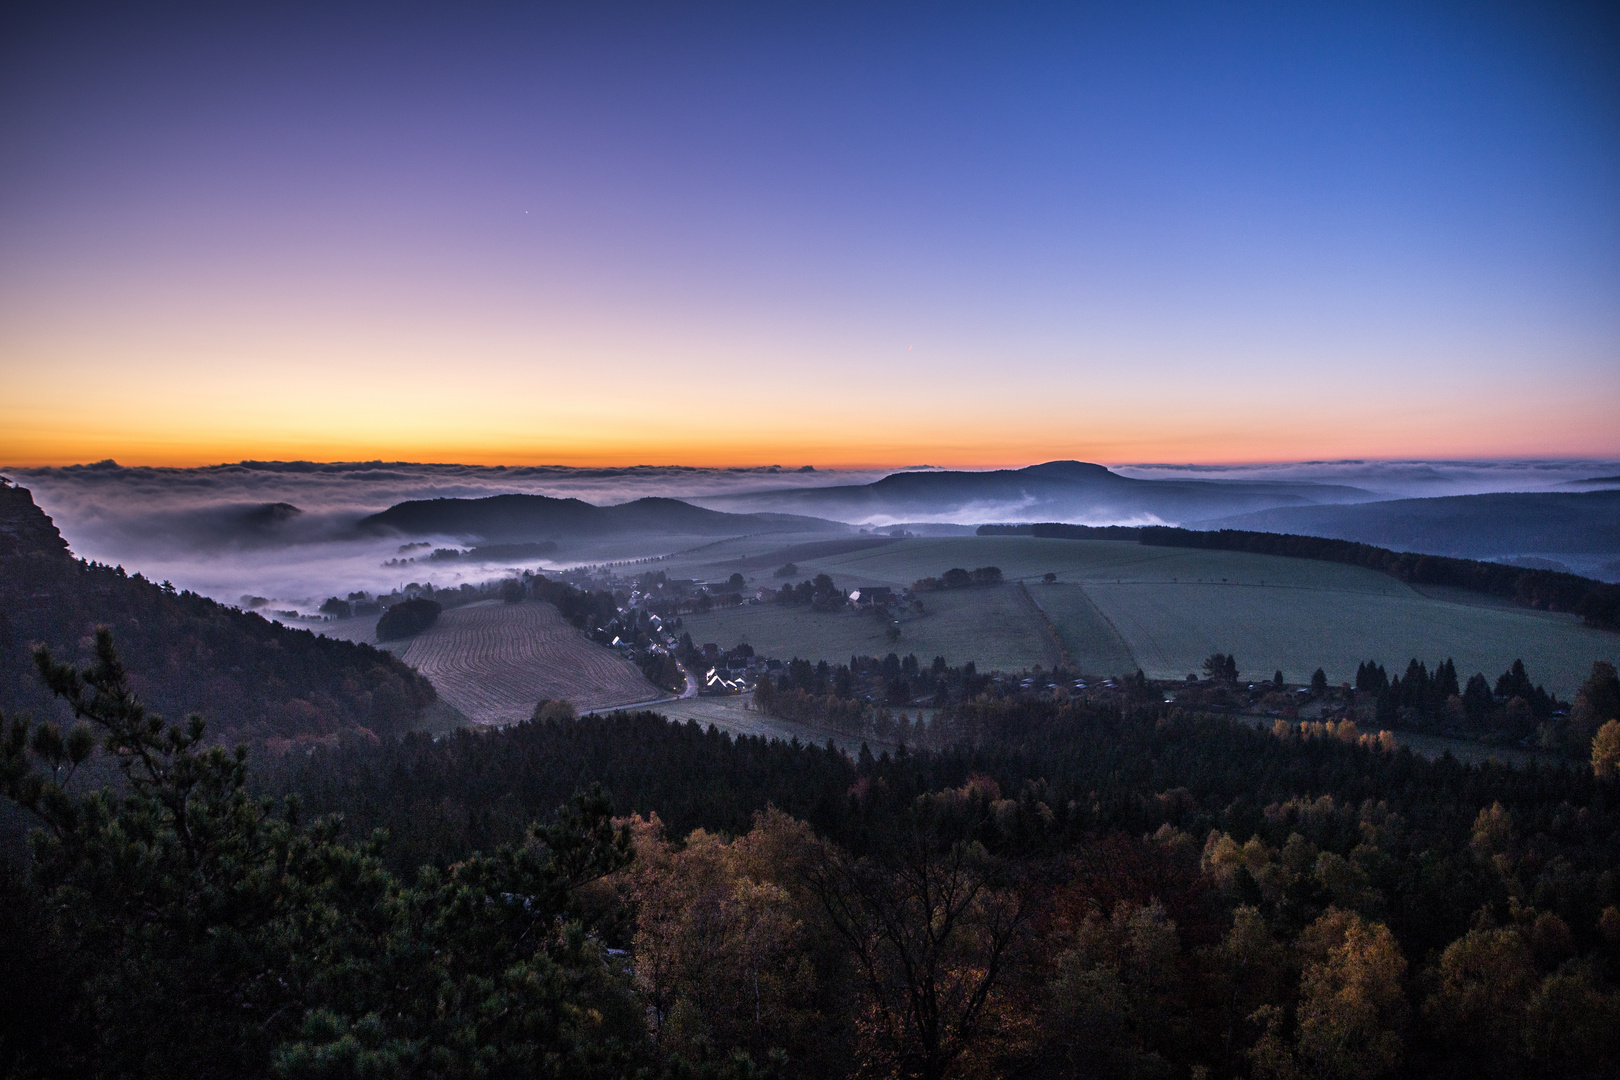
<point x="1063" y="888"/>
<point x="1596" y="602"/>
<point x="254" y="679"/>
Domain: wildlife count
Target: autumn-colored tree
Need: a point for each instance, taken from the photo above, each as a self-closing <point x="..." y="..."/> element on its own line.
<point x="723" y="954"/>
<point x="1112" y="993"/>
<point x="1606" y="749"/>
<point x="1571" y="1024"/>
<point x="1253" y="969"/>
<point x="1351" y="1009"/>
<point x="1596" y="703"/>
<point x="930" y="921"/>
<point x="1482" y="987"/>
<point x="1492" y="840"/>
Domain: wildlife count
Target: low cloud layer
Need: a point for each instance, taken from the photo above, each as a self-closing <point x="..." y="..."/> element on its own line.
<point x="1401" y="479"/>
<point x="283" y="530"/>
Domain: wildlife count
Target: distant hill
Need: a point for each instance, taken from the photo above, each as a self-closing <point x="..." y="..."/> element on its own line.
<point x="249" y="678"/>
<point x="520" y="518"/>
<point x="1466" y="526"/>
<point x="1056" y="490"/>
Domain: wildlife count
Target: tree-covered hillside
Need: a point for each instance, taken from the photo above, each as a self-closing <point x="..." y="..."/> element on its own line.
<point x="254" y="679"/>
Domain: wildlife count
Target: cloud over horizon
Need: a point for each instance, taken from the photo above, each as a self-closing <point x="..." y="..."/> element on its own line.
<point x="209" y="529"/>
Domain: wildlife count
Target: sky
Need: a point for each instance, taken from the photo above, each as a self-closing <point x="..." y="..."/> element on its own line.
<point x="853" y="236"/>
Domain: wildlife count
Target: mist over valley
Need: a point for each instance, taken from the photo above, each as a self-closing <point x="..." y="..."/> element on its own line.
<point x="295" y="533"/>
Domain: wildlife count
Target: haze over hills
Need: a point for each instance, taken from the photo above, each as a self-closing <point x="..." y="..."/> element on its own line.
<point x="1595" y="482"/>
<point x="287" y="530"/>
<point x="1582" y="525"/>
<point x="513" y="518"/>
<point x="1055" y="490"/>
<point x="186" y="653"/>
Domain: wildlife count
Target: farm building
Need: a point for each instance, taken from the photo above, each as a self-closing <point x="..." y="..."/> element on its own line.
<point x="872" y="596"/>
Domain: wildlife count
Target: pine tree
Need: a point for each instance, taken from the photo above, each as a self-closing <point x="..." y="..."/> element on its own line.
<point x="216" y="934"/>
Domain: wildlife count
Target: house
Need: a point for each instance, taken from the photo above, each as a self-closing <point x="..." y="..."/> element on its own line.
<point x="872" y="596"/>
<point x="714" y="683"/>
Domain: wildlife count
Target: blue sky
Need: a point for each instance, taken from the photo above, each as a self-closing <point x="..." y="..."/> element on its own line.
<point x="543" y="233"/>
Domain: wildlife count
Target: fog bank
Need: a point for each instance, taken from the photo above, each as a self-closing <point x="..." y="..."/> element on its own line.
<point x="283" y="530"/>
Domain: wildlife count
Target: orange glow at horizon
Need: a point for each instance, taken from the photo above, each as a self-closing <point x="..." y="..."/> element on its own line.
<point x="150" y="381"/>
<point x="530" y="236"/>
<point x="1013" y="440"/>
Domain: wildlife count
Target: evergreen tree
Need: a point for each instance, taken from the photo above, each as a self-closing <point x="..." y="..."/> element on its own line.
<point x="211" y="933"/>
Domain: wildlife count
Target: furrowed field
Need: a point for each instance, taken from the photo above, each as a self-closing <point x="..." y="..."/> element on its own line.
<point x="494" y="661"/>
<point x="1121" y="605"/>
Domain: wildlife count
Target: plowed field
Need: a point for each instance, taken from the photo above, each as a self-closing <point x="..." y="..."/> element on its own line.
<point x="494" y="661"/>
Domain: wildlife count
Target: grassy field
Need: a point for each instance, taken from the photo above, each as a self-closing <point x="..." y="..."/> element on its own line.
<point x="1171" y="628"/>
<point x="494" y="661"/>
<point x="1097" y="648"/>
<point x="1121" y="605"/>
<point x="1023" y="557"/>
<point x="993" y="627"/>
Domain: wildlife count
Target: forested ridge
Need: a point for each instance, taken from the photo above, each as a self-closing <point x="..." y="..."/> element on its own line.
<point x="254" y="679"/>
<point x="1063" y="888"/>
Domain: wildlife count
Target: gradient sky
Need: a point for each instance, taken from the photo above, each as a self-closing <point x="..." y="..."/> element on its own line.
<point x="844" y="235"/>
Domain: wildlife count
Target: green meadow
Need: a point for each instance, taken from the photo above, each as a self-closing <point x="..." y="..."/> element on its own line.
<point x="1118" y="606"/>
<point x="995" y="628"/>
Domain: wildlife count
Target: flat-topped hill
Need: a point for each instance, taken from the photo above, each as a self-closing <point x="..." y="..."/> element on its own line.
<point x="1053" y="490"/>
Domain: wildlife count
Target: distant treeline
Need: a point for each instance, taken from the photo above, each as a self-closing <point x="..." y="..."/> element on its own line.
<point x="492" y="552"/>
<point x="822" y="594"/>
<point x="958" y="578"/>
<point x="825" y="693"/>
<point x="1596" y="602"/>
<point x="1059" y="531"/>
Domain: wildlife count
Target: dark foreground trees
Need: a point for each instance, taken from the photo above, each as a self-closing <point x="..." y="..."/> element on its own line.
<point x="196" y="930"/>
<point x="929" y="920"/>
<point x="1062" y="890"/>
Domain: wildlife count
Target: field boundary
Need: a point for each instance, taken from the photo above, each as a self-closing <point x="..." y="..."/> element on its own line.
<point x="1065" y="658"/>
<point x="1103" y="615"/>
